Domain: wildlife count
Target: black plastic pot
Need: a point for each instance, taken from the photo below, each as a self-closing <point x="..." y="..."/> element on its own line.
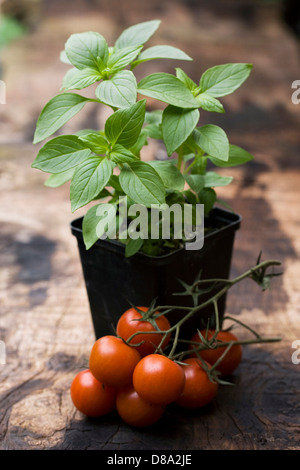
<point x="113" y="282"/>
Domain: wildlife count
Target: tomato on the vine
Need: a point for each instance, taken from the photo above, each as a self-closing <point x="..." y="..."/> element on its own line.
<point x="199" y="389"/>
<point x="136" y="411"/>
<point x="90" y="396"/>
<point x="112" y="361"/>
<point x="158" y="379"/>
<point x="233" y="356"/>
<point x="132" y="322"/>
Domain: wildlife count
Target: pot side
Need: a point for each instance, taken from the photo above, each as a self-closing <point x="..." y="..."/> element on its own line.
<point x="114" y="282"/>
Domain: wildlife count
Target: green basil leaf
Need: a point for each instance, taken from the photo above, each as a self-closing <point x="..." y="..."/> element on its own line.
<point x="212" y="179"/>
<point x="120" y="91"/>
<point x="161" y="52"/>
<point x="184" y="78"/>
<point x="153" y="121"/>
<point x="199" y="165"/>
<point x="189" y="147"/>
<point x="63" y="58"/>
<point x="154" y="117"/>
<point x="120" y="58"/>
<point x="89" y="226"/>
<point x="88" y="180"/>
<point x="177" y="125"/>
<point x="77" y="79"/>
<point x="114" y="183"/>
<point x="196" y="182"/>
<point x="61" y="154"/>
<point x="237" y="156"/>
<point x="140" y="143"/>
<point x="154" y="131"/>
<point x="84" y="49"/>
<point x="167" y="88"/>
<point x="56" y="113"/>
<point x="120" y="154"/>
<point x="84" y="132"/>
<point x="137" y="35"/>
<point x="58" y="179"/>
<point x="142" y="183"/>
<point x="222" y="80"/>
<point x="170" y="175"/>
<point x="208" y="197"/>
<point x="96" y="142"/>
<point x="174" y="197"/>
<point x="103" y="194"/>
<point x="209" y="103"/>
<point x="190" y="197"/>
<point x="133" y="246"/>
<point x="213" y="140"/>
<point x="124" y="126"/>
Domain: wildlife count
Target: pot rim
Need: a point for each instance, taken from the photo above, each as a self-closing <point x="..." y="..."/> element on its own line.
<point x="230" y="219"/>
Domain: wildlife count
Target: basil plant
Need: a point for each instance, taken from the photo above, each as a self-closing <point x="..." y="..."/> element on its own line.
<point x="105" y="165"/>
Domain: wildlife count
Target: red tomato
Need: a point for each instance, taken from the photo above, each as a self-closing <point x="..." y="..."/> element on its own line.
<point x="158" y="379"/>
<point x="129" y="323"/>
<point x="198" y="390"/>
<point x="136" y="411"/>
<point x="112" y="361"/>
<point x="91" y="397"/>
<point x="233" y="357"/>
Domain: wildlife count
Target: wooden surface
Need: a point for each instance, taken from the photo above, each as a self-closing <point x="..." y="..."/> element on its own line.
<point x="45" y="320"/>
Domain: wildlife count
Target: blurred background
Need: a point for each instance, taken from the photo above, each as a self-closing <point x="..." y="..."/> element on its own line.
<point x="262" y="32"/>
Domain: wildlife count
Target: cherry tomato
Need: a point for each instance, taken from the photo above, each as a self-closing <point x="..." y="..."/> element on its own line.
<point x="158" y="379"/>
<point x="233" y="357"/>
<point x="136" y="411"/>
<point x="130" y="322"/>
<point x="198" y="390"/>
<point x="112" y="361"/>
<point x="91" y="397"/>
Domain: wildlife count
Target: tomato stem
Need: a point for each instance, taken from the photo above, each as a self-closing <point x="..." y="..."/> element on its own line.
<point x="256" y="273"/>
<point x="201" y="347"/>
